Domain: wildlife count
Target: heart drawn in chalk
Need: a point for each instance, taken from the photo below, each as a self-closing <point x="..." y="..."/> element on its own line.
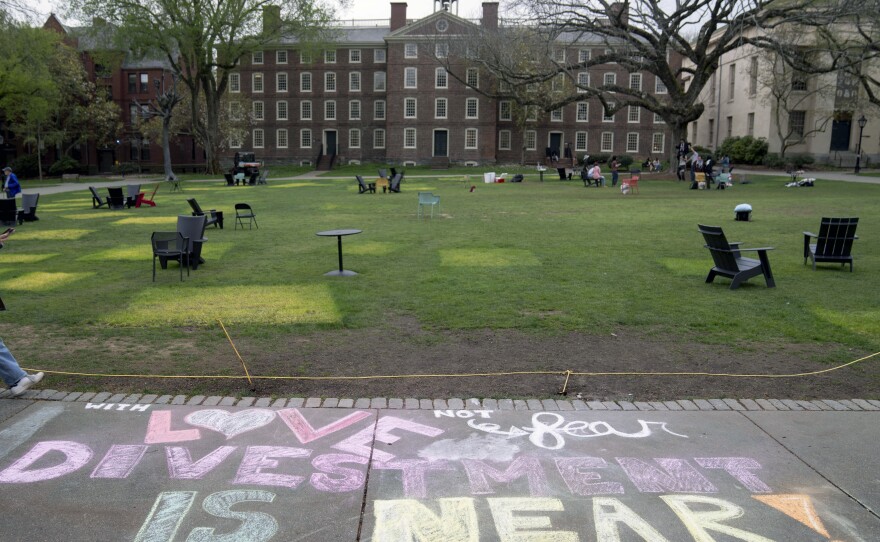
<point x="231" y="423"/>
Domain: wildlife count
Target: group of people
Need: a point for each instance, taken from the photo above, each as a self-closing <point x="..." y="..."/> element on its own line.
<point x="690" y="162"/>
<point x="652" y="164"/>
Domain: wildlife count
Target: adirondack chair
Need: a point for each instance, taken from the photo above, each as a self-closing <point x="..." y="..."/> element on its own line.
<point x="28" y="211"/>
<point x="430" y="200"/>
<point x="193" y="229"/>
<point x="264" y="175"/>
<point x="8" y="211"/>
<point x="169" y="245"/>
<point x="115" y="200"/>
<point x="216" y="217"/>
<point x="229" y="180"/>
<point x="834" y="242"/>
<point x="634" y="176"/>
<point x="149" y="201"/>
<point x="395" y="183"/>
<point x="730" y="263"/>
<point x="133" y="195"/>
<point x="364" y="187"/>
<point x="98" y="200"/>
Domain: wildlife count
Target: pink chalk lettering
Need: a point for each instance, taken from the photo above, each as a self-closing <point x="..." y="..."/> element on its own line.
<point x="413" y="473"/>
<point x="361" y="442"/>
<point x="119" y="461"/>
<point x="479" y="472"/>
<point x="680" y="476"/>
<point x="75" y="456"/>
<point x="182" y="467"/>
<point x="258" y="458"/>
<point x="346" y="479"/>
<point x="581" y="480"/>
<point x="304" y="430"/>
<point x="738" y="467"/>
<point x="159" y="430"/>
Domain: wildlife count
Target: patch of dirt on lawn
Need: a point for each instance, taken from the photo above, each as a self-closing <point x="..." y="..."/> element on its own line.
<point x="403" y="348"/>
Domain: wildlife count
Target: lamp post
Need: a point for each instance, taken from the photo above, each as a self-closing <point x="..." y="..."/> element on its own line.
<point x="862" y="122"/>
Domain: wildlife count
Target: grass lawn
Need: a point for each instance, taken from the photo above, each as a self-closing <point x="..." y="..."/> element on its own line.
<point x="544" y="258"/>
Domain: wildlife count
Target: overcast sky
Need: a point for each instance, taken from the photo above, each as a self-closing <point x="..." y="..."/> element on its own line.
<point x="359" y="9"/>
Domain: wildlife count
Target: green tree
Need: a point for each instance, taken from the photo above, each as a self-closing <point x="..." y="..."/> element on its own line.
<point x="204" y="40"/>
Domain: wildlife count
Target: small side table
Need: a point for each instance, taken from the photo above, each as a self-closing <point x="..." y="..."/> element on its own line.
<point x="339" y="234"/>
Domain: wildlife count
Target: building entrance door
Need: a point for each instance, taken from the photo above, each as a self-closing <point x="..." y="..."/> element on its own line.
<point x="556" y="143"/>
<point x="441" y="143"/>
<point x="841" y="129"/>
<point x="330" y="147"/>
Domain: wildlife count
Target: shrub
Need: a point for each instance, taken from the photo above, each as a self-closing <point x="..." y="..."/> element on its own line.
<point x="124" y="168"/>
<point x="744" y="150"/>
<point x="65" y="164"/>
<point x="703" y="151"/>
<point x="25" y="166"/>
<point x="800" y="160"/>
<point x="625" y="160"/>
<point x="773" y="160"/>
<point x="601" y="158"/>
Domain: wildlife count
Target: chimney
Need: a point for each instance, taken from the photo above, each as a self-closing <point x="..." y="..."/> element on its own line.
<point x="398" y="15"/>
<point x="490" y="15"/>
<point x="618" y="14"/>
<point x="271" y="20"/>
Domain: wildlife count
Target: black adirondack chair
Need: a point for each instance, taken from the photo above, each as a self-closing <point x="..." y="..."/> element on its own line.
<point x="729" y="261"/>
<point x="97" y="200"/>
<point x="115" y="200"/>
<point x="28" y="211"/>
<point x="229" y="180"/>
<point x="395" y="183"/>
<point x="364" y="187"/>
<point x="215" y="218"/>
<point x="834" y="242"/>
<point x="8" y="211"/>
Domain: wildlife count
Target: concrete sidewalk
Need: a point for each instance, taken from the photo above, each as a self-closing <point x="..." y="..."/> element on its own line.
<point x="138" y="468"/>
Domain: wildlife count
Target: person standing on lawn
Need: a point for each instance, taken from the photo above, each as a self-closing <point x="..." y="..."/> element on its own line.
<point x="13" y="376"/>
<point x="10" y="183"/>
<point x="614" y="165"/>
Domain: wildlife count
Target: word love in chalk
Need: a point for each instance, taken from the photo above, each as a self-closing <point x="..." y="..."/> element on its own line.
<point x="548" y="430"/>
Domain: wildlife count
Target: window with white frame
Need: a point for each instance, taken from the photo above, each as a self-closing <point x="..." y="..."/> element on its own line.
<point x="731" y="82"/>
<point x="410" y="50"/>
<point x="330" y="82"/>
<point x="379" y="110"/>
<point x="659" y="86"/>
<point x="440" y="108"/>
<point x="379" y="81"/>
<point x="658" y="143"/>
<point x="753" y="76"/>
<point x="635" y="81"/>
<point x="379" y="56"/>
<point x="473" y="78"/>
<point x="530" y="140"/>
<point x="281" y="138"/>
<point x="632" y="142"/>
<point x="281" y="110"/>
<point x="609" y="79"/>
<point x="634" y="114"/>
<point x="410" y="77"/>
<point x="257" y="57"/>
<point x="441" y="78"/>
<point x="797" y="123"/>
<point x="305" y="82"/>
<point x="330" y="56"/>
<point x="235" y="141"/>
<point x="558" y="82"/>
<point x="556" y="115"/>
<point x="470" y="138"/>
<point x="580" y="141"/>
<point x="607" y="116"/>
<point x="409" y="138"/>
<point x="281" y="82"/>
<point x="504" y="140"/>
<point x="505" y="110"/>
<point x="235" y="82"/>
<point x="354" y="56"/>
<point x="305" y="110"/>
<point x="354" y="138"/>
<point x="235" y="111"/>
<point x="658" y="119"/>
<point x="259" y="113"/>
<point x="354" y="81"/>
<point x="441" y="50"/>
<point x="471" y="108"/>
<point x="305" y="138"/>
<point x="750" y="124"/>
<point x="257" y="82"/>
<point x="607" y="142"/>
<point x="583" y="112"/>
<point x="330" y="110"/>
<point x="354" y="110"/>
<point x="531" y="113"/>
<point x="305" y="57"/>
<point x="729" y="126"/>
<point x="409" y="108"/>
<point x="503" y="86"/>
<point x="281" y="56"/>
<point x="583" y="81"/>
<point x="379" y="138"/>
<point x="583" y="55"/>
<point x="259" y="138"/>
<point x="559" y="54"/>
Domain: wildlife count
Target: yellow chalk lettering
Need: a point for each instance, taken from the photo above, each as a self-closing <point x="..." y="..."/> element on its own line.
<point x="699" y="523"/>
<point x="408" y="520"/>
<point x="513" y="528"/>
<point x="608" y="512"/>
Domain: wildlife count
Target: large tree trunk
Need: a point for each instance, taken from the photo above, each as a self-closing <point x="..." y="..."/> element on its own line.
<point x="166" y="149"/>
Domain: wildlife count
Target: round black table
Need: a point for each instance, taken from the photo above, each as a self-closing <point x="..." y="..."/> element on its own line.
<point x="338" y="234"/>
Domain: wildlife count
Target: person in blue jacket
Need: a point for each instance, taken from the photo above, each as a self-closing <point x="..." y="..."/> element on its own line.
<point x="10" y="183"/>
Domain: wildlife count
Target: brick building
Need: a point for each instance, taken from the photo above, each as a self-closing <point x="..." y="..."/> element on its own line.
<point x="378" y="94"/>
